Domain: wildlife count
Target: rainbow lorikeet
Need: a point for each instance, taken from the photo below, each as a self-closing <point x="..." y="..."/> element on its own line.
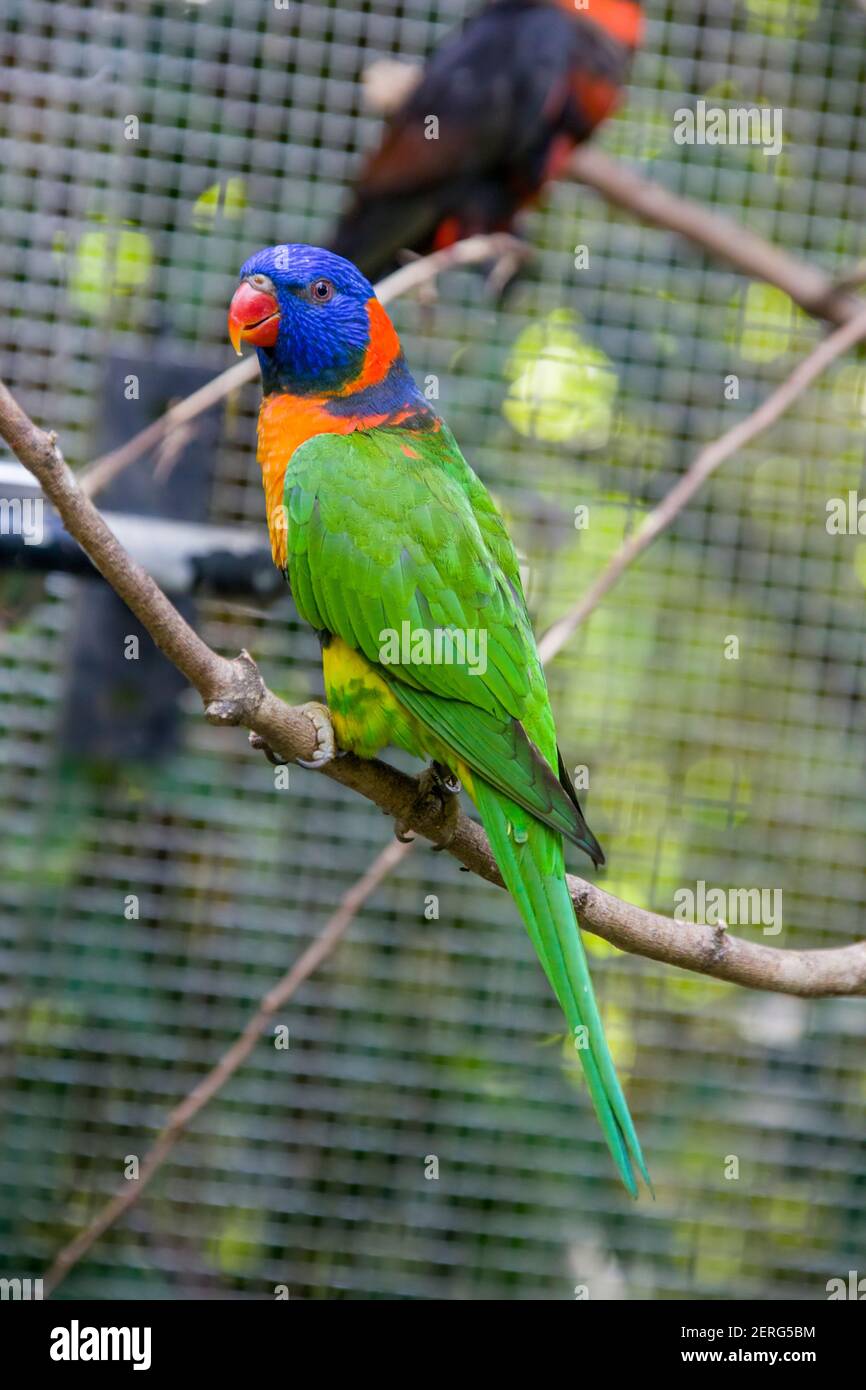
<point x="398" y="557"/>
<point x="495" y="115"/>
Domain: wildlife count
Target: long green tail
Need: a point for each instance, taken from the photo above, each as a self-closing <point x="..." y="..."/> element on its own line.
<point x="533" y="867"/>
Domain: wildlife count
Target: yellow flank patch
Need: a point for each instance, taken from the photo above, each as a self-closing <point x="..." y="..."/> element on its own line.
<point x="344" y="666"/>
<point x="368" y="717"/>
<point x="365" y="714"/>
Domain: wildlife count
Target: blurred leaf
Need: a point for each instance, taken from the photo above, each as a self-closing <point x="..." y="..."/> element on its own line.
<point x="108" y="263"/>
<point x="562" y="386"/>
<point x="787" y="18"/>
<point x="238" y="1246"/>
<point x="228" y="197"/>
<point x="51" y="1023"/>
<point x="717" y="791"/>
<point x="764" y="326"/>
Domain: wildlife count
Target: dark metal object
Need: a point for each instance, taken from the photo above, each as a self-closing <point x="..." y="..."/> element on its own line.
<point x="121" y="700"/>
<point x="183" y="557"/>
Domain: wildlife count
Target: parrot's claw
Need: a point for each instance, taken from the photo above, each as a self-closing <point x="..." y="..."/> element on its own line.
<point x="326" y="744"/>
<point x="445" y="779"/>
<point x="261" y="746"/>
<point x="437" y="791"/>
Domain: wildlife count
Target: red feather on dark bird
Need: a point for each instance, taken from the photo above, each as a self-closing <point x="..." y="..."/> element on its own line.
<point x="513" y="92"/>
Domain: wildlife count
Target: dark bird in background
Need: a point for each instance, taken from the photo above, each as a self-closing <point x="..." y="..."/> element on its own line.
<point x="496" y="114"/>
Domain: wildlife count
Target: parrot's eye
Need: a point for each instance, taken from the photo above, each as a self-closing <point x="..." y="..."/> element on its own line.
<point x="259" y="281"/>
<point x="321" y="291"/>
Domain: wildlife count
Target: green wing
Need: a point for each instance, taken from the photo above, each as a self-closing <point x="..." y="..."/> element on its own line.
<point x="390" y="526"/>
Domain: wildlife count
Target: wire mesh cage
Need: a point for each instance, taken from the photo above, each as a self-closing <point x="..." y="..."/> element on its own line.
<point x="713" y="702"/>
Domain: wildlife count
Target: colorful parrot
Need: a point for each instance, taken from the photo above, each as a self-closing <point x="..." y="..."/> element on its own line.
<point x="398" y="558"/>
<point x="495" y="115"/>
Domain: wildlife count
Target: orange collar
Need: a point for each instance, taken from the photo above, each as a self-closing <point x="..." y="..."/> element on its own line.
<point x="285" y="423"/>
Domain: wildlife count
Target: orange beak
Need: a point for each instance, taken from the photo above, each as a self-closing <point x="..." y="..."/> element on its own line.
<point x="254" y="317"/>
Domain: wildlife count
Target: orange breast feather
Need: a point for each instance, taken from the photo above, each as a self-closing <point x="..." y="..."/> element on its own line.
<point x="285" y="423"/>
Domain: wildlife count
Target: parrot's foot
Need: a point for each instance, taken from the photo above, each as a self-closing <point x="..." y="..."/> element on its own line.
<point x="437" y="792"/>
<point x="326" y="747"/>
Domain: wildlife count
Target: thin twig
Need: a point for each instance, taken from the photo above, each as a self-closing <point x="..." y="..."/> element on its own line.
<point x="179" y="1119"/>
<point x="473" y="251"/>
<point x="107" y="467"/>
<point x="719" y="236"/>
<point x="851" y="279"/>
<point x="706" y="463"/>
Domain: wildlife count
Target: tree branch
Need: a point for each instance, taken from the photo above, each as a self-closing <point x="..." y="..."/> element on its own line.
<point x="235" y="694"/>
<point x="309" y="961"/>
